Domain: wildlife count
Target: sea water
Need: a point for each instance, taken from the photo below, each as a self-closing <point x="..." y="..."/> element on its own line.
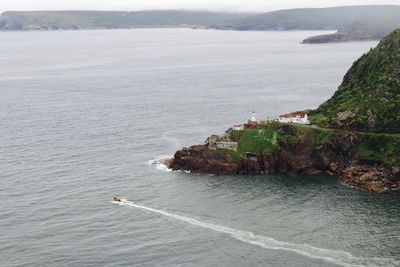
<point x="87" y="115"/>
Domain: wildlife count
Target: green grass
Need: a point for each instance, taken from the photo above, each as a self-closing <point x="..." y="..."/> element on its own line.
<point x="236" y="135"/>
<point x="379" y="148"/>
<point x="258" y="141"/>
<point x="370" y="147"/>
<point x="317" y="118"/>
<point x="370" y="91"/>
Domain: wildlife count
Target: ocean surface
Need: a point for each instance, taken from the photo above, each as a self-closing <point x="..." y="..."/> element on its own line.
<point x="86" y="116"/>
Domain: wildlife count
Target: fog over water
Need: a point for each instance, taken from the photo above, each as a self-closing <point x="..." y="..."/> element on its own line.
<point x="85" y="116"/>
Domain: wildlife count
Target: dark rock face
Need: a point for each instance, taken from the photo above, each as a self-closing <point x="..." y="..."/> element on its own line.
<point x="294" y="158"/>
<point x="250" y="166"/>
<point x="373" y="178"/>
<point x="200" y="159"/>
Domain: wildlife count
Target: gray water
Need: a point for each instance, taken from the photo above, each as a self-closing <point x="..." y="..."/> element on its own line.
<point x="85" y="116"/>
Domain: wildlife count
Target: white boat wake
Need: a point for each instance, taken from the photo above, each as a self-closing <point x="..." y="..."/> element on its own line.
<point x="333" y="256"/>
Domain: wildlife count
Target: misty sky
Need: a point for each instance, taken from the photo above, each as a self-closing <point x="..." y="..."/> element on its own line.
<point x="228" y="5"/>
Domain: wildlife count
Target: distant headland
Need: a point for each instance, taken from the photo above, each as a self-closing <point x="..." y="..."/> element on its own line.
<point x="352" y="23"/>
<point x="355" y="135"/>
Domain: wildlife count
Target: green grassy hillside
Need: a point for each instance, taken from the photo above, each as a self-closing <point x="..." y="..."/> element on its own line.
<point x="369" y="97"/>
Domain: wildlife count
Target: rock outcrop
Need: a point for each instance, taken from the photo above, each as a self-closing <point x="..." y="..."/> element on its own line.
<point x="300" y="159"/>
<point x="374" y="178"/>
<point x="200" y="159"/>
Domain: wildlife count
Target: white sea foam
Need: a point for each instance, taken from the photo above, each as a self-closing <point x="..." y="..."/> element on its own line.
<point x="333" y="256"/>
<point x="157" y="163"/>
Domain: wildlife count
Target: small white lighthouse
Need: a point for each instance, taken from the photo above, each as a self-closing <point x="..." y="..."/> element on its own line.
<point x="253" y="117"/>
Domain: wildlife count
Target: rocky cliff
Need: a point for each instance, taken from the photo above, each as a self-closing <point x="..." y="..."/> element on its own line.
<point x="303" y="150"/>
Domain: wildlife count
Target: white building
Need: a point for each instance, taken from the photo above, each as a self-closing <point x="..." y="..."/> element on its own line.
<point x="253" y="117"/>
<point x="238" y="127"/>
<point x="299" y="117"/>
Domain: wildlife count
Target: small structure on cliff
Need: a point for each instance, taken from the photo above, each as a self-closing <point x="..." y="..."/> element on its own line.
<point x="253" y="117"/>
<point x="221" y="141"/>
<point x="212" y="139"/>
<point x="253" y="122"/>
<point x="299" y="117"/>
<point x="238" y="127"/>
<point x="227" y="145"/>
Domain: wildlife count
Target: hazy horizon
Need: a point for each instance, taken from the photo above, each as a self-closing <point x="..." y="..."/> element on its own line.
<point x="201" y="5"/>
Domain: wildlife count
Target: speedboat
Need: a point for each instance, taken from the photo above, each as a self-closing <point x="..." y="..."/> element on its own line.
<point x="117" y="199"/>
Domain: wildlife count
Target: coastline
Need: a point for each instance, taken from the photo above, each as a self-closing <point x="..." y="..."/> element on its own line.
<point x="300" y="150"/>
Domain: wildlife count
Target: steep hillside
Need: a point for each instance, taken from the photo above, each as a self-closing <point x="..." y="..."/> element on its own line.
<point x="369" y="97"/>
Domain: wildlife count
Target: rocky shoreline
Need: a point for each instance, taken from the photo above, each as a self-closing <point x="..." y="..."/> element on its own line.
<point x="300" y="156"/>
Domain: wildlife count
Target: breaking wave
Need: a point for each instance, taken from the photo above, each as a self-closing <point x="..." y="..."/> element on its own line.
<point x="333" y="256"/>
<point x="158" y="163"/>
